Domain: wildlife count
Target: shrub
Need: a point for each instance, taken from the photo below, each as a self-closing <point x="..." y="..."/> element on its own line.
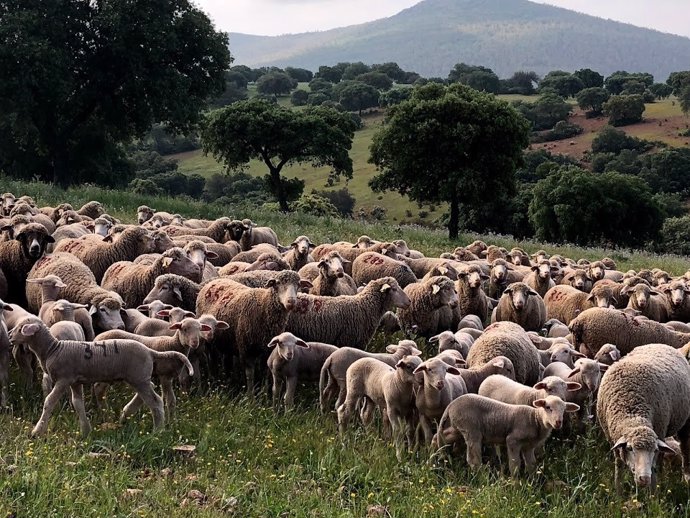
<point x="675" y="235"/>
<point x="562" y="130"/>
<point x="549" y="109"/>
<point x="624" y="109"/>
<point x="315" y="205"/>
<point x="341" y="199"/>
<point x="612" y="140"/>
<point x="299" y="97"/>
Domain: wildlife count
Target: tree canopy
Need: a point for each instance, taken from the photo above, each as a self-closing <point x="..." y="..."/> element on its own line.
<point x="450" y="144"/>
<point x="278" y="136"/>
<point x="78" y="78"/>
<point x="624" y="109"/>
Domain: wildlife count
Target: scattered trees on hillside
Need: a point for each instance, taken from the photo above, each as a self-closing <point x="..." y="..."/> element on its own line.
<point x="589" y="78"/>
<point x="80" y="78"/>
<point x="616" y="82"/>
<point x="450" y="144"/>
<point x="545" y="112"/>
<point x="563" y="83"/>
<point x="301" y="75"/>
<point x="592" y="100"/>
<point x="521" y="82"/>
<point x="624" y="109"/>
<point x="678" y="81"/>
<point x="275" y="83"/>
<point x="357" y="96"/>
<point x="277" y="136"/>
<point x="661" y="90"/>
<point x="477" y="77"/>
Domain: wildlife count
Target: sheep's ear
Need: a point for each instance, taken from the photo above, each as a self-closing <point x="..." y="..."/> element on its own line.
<point x="532" y="292"/>
<point x="483" y="276"/>
<point x="163" y="313"/>
<point x="144" y="308"/>
<point x="222" y="325"/>
<point x="206" y="328"/>
<point x="576" y="370"/>
<point x="48" y="239"/>
<point x="7" y="307"/>
<point x="434" y="339"/>
<point x="176" y="325"/>
<point x="79" y="306"/>
<point x="654" y="292"/>
<point x="537" y="403"/>
<point x="189" y="314"/>
<point x="108" y="238"/>
<point x="178" y="293"/>
<point x="400" y="364"/>
<point x="509" y="291"/>
<point x="211" y="255"/>
<point x="93" y="310"/>
<point x="460" y="363"/>
<point x="576" y="354"/>
<point x="571" y="407"/>
<point x="614" y="301"/>
<point x="534" y="268"/>
<point x="625" y="291"/>
<point x="453" y="370"/>
<point x="302" y="343"/>
<point x="415" y="352"/>
<point x="539" y="386"/>
<point x="435" y="288"/>
<point x="590" y="297"/>
<point x="498" y="363"/>
<point x="663" y="447"/>
<point x="35" y="281"/>
<point x="573" y="386"/>
<point x="305" y="284"/>
<point x="391" y="348"/>
<point x="60" y="284"/>
<point x="273" y="342"/>
<point x="385" y="288"/>
<point x="167" y="261"/>
<point x="422" y="368"/>
<point x="603" y="367"/>
<point x="615" y="355"/>
<point x="270" y="283"/>
<point x="462" y="274"/>
<point x="30" y="329"/>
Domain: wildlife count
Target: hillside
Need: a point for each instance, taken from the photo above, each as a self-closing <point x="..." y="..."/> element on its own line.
<point x="506" y="35"/>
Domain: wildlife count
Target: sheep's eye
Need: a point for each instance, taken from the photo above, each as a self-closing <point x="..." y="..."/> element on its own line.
<point x="102" y="309"/>
<point x="629" y="447"/>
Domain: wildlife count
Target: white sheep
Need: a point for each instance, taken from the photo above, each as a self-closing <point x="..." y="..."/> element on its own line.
<point x="509" y="391"/>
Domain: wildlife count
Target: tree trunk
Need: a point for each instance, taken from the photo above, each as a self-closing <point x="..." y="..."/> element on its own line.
<point x="454" y="220"/>
<point x="279" y="191"/>
<point x="60" y="167"/>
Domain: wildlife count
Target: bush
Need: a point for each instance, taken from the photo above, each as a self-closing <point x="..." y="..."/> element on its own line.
<point x="341" y="199"/>
<point x="545" y="112"/>
<point x="624" y="109"/>
<point x="612" y="140"/>
<point x="675" y="235"/>
<point x="299" y="97"/>
<point x="147" y="187"/>
<point x="315" y="205"/>
<point x="562" y="130"/>
<point x="236" y="188"/>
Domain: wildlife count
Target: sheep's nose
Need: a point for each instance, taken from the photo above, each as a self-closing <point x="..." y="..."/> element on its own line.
<point x="559" y="424"/>
<point x="440" y="385"/>
<point x="644" y="480"/>
<point x="340" y="274"/>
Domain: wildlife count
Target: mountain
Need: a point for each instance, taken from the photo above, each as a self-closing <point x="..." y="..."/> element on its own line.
<point x="505" y="35"/>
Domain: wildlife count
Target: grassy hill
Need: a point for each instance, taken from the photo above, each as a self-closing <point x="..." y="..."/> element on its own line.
<point x="506" y="35"/>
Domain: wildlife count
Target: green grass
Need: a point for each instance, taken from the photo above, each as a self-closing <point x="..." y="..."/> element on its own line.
<point x="252" y="463"/>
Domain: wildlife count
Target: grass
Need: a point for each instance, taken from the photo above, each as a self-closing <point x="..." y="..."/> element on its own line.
<point x="252" y="463"/>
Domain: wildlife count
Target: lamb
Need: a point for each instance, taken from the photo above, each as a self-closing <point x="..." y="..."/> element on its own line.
<point x="522" y="305"/>
<point x="91" y="209"/>
<point x="17" y="257"/>
<point x="503" y="389"/>
<point x="99" y="255"/>
<point x="332" y="279"/>
<point x="65" y="327"/>
<point x="135" y="281"/>
<point x="564" y="303"/>
<point x="218" y="230"/>
<point x="101" y="226"/>
<point x="510" y="340"/>
<point x="71" y="364"/>
<point x="607" y="354"/>
<point x="472" y="300"/>
<point x="474" y="376"/>
<point x="459" y="341"/>
<point x="80" y="287"/>
<point x="174" y="290"/>
<point x="248" y="235"/>
<point x="293" y="360"/>
<point x="540" y="279"/>
<point x="371" y="266"/>
<point x="299" y="255"/>
<point x="649" y="302"/>
<point x="332" y="379"/>
<point x="186" y="338"/>
<point x="251" y="255"/>
<point x="255" y="316"/>
<point x="428" y="299"/>
<point x="555" y="328"/>
<point x="587" y="373"/>
<point x="5" y="348"/>
<point x="73" y="231"/>
<point x="598" y="326"/>
<point x="644" y="398"/>
<point x="521" y="428"/>
<point x="501" y="276"/>
<point x="265" y="261"/>
<point x="159" y="327"/>
<point x="348" y="320"/>
<point x="452" y="357"/>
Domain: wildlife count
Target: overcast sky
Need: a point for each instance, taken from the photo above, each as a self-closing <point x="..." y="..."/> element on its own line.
<point x="271" y="17"/>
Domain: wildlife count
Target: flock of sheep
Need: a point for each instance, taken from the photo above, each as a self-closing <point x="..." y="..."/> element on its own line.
<point x="93" y="301"/>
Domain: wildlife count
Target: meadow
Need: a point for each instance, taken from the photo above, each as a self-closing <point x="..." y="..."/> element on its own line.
<point x="249" y="462"/>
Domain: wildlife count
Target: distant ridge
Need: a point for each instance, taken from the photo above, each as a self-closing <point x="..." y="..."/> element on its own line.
<point x="505" y="35"/>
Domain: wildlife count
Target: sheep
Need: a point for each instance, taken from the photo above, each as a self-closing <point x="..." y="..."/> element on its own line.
<point x="299" y="255"/>
<point x="372" y="265"/>
<point x="332" y="379"/>
<point x="248" y="235"/>
<point x="519" y="257"/>
<point x="598" y="326"/>
<point x="65" y="327"/>
<point x="501" y="276"/>
<point x="174" y="290"/>
<point x="265" y="261"/>
<point x="403" y="249"/>
<point x="99" y="255"/>
<point x="649" y="302"/>
<point x="101" y="226"/>
<point x="348" y="320"/>
<point x="35" y="216"/>
<point x="259" y="278"/>
<point x="578" y="279"/>
<point x="428" y="299"/>
<point x="332" y="279"/>
<point x="5" y="348"/>
<point x="674" y="325"/>
<point x="144" y="214"/>
<point x="462" y="254"/>
<point x="521" y="428"/>
<point x="522" y="305"/>
<point x="509" y="391"/>
<point x="660" y="277"/>
<point x="472" y="300"/>
<point x="510" y="340"/>
<point x="644" y="398"/>
<point x="587" y="373"/>
<point x="459" y="341"/>
<point x="8" y="201"/>
<point x="255" y="315"/>
<point x="135" y="281"/>
<point x="17" y="257"/>
<point x="564" y="303"/>
<point x="608" y="354"/>
<point x="554" y="328"/>
<point x="73" y="231"/>
<point x="452" y="357"/>
<point x="445" y="270"/>
<point x="159" y="327"/>
<point x="71" y="364"/>
<point x="493" y="252"/>
<point x="187" y="336"/>
<point x="91" y="209"/>
<point x="293" y="360"/>
<point x="218" y="230"/>
<point x="540" y="278"/>
<point x="80" y="287"/>
<point x="199" y="253"/>
<point x="678" y="299"/>
<point x="477" y="247"/>
<point x="420" y="267"/>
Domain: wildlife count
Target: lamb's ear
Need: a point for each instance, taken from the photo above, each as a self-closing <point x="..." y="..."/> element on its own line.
<point x="483" y="276"/>
<point x="603" y="367"/>
<point x="572" y="386"/>
<point x="206" y="328"/>
<point x="435" y="288"/>
<point x="590" y="298"/>
<point x="453" y="370"/>
<point x="108" y="238"/>
<point x="302" y="343"/>
<point x="571" y="407"/>
<point x="305" y="284"/>
<point x="614" y="301"/>
<point x="535" y="268"/>
<point x="60" y="284"/>
<point x="167" y="261"/>
<point x="48" y="239"/>
<point x="532" y="292"/>
<point x="391" y="348"/>
<point x="189" y="314"/>
<point x="163" y="313"/>
<point x="211" y="255"/>
<point x="509" y="291"/>
<point x="93" y="310"/>
<point x="222" y="325"/>
<point x="30" y="329"/>
<point x="577" y="354"/>
<point x="498" y="363"/>
<point x="176" y="325"/>
<point x="462" y="274"/>
<point x="400" y="364"/>
<point x="143" y="308"/>
<point x="663" y="447"/>
<point x="625" y="291"/>
<point x="422" y="368"/>
<point x="537" y="403"/>
<point x="385" y="288"/>
<point x="655" y="293"/>
<point x="79" y="306"/>
<point x="576" y="370"/>
<point x="615" y="355"/>
<point x="539" y="386"/>
<point x="434" y="339"/>
<point x="270" y="283"/>
<point x="273" y="342"/>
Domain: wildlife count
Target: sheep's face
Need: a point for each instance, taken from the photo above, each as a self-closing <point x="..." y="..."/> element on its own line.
<point x="396" y="295"/>
<point x="286" y="286"/>
<point x="212" y="323"/>
<point x="641" y="295"/>
<point x="236" y="229"/>
<point x="177" y="220"/>
<point x="102" y="227"/>
<point x="502" y="365"/>
<point x="590" y="371"/>
<point x="446" y="341"/>
<point x="579" y="280"/>
<point x="564" y="353"/>
<point x="556" y="269"/>
<point x="553" y="409"/>
<point x="499" y="272"/>
<point x="676" y="293"/>
<point x="555" y="386"/>
<point x="519" y="294"/>
<point x="302" y="246"/>
<point x="602" y="297"/>
<point x="543" y="270"/>
<point x="144" y="214"/>
<point x="286" y="344"/>
<point x="640" y="453"/>
<point x="407" y="366"/>
<point x="24" y="332"/>
<point x="661" y="278"/>
<point x="8" y="200"/>
<point x="608" y="354"/>
<point x="434" y="373"/>
<point x="190" y="330"/>
<point x="475" y="278"/>
<point x="107" y="315"/>
<point x="364" y="242"/>
<point x="401" y="247"/>
<point x="516" y="258"/>
<point x="176" y="261"/>
<point x="198" y="256"/>
<point x="33" y="239"/>
<point x="167" y="292"/>
<point x="158" y="221"/>
<point x="265" y="261"/>
<point x="596" y="271"/>
<point x="332" y="267"/>
<point x="444" y="292"/>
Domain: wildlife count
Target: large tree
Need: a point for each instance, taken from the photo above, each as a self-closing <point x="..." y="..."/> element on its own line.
<point x="80" y="77"/>
<point x="278" y="136"/>
<point x="450" y="144"/>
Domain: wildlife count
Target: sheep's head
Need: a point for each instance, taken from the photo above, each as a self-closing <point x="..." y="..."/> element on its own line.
<point x="555" y="386"/>
<point x="596" y="271"/>
<point x="640" y="295"/>
<point x="167" y="289"/>
<point x="499" y="270"/>
<point x="434" y="372"/>
<point x="176" y="261"/>
<point x="579" y="279"/>
<point x="286" y="285"/>
<point x="518" y="293"/>
<point x="34" y="238"/>
<point x="332" y="266"/>
<point x="404" y="348"/>
<point x="543" y="269"/>
<point x="639" y="449"/>
<point x="27" y="330"/>
<point x="443" y="291"/>
<point x="286" y="344"/>
<point x="590" y="371"/>
<point x="107" y="312"/>
<point x="473" y="276"/>
<point x="144" y="214"/>
<point x="446" y="341"/>
<point x="236" y="229"/>
<point x="198" y="253"/>
<point x="190" y="331"/>
<point x="602" y="296"/>
<point x="607" y="354"/>
<point x="392" y="291"/>
<point x="214" y="324"/>
<point x="553" y="409"/>
<point x="302" y="246"/>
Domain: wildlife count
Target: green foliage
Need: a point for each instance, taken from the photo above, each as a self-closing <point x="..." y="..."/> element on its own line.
<point x="357" y="96"/>
<point x="317" y="98"/>
<point x="633" y="87"/>
<point x="392" y="70"/>
<point x="378" y="80"/>
<point x="79" y="78"/>
<point x="589" y="78"/>
<point x="563" y="83"/>
<point x="162" y="141"/>
<point x="539" y="164"/>
<point x="545" y="112"/>
<point x="330" y="74"/>
<point x="231" y="94"/>
<point x="149" y="166"/>
<point x="237" y="188"/>
<point x="667" y="170"/>
<point x="684" y="99"/>
<point x="521" y="83"/>
<point x="352" y="70"/>
<point x="678" y="81"/>
<point x="341" y="199"/>
<point x="675" y="235"/>
<point x="612" y="140"/>
<point x="562" y="130"/>
<point x="450" y="144"/>
<point x="146" y="187"/>
<point x="661" y="90"/>
<point x="592" y="100"/>
<point x="477" y="77"/>
<point x="256" y="129"/>
<point x="672" y="206"/>
<point x="394" y="96"/>
<point x="319" y="84"/>
<point x="577" y="206"/>
<point x="301" y="75"/>
<point x="615" y="83"/>
<point x="315" y="205"/>
<point x="299" y="98"/>
<point x="624" y="109"/>
<point x="275" y="83"/>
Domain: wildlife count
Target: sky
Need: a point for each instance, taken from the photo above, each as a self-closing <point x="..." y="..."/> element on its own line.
<point x="273" y="17"/>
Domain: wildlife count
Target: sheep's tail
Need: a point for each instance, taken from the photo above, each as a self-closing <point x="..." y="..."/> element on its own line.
<point x="173" y="355"/>
<point x="325" y="381"/>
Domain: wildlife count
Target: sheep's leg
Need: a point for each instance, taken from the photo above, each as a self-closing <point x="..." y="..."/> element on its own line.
<point x="49" y="406"/>
<point x="342" y="394"/>
<point x="366" y="411"/>
<point x="24" y="362"/>
<point x="474" y="449"/>
<point x="133" y="406"/>
<point x="425" y="423"/>
<point x="169" y="399"/>
<point x="514" y="456"/>
<point x="78" y="405"/>
<point x="616" y="472"/>
<point x="290" y="387"/>
<point x="99" y="392"/>
<point x="152" y="400"/>
<point x="344" y="411"/>
<point x="684" y="439"/>
<point x="277" y="389"/>
<point x="397" y="430"/>
<point x="530" y="459"/>
<point x="4" y="376"/>
<point x="46" y="384"/>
